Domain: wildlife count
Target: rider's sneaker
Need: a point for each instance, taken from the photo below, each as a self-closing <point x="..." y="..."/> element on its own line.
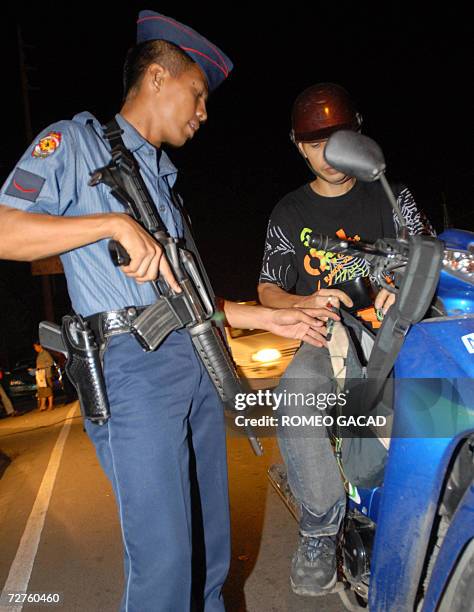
<point x="313" y="568"/>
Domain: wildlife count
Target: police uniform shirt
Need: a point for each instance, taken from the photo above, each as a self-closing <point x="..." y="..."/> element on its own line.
<point x="52" y="177"/>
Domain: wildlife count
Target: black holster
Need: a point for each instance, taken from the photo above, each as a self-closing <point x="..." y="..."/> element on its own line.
<point x="84" y="368"/>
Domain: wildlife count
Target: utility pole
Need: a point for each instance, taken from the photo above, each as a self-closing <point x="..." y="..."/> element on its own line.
<point x="48" y="306"/>
<point x="24" y="88"/>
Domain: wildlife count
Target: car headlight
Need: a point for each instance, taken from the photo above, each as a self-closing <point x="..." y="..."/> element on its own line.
<point x="266" y="355"/>
<point x="460" y="264"/>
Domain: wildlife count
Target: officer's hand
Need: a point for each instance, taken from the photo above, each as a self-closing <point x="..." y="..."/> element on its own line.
<point x="384" y="300"/>
<point x="147" y="259"/>
<point x="306" y="324"/>
<point x="322" y="297"/>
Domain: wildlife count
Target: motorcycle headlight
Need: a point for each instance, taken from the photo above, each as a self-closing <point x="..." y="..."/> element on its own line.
<point x="459" y="264"/>
<point x="266" y="355"/>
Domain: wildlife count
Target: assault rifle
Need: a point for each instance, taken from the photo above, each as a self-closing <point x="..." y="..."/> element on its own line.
<point x="193" y="308"/>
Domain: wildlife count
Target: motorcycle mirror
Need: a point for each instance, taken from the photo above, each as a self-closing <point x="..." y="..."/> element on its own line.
<point x="355" y="155"/>
<point x="361" y="157"/>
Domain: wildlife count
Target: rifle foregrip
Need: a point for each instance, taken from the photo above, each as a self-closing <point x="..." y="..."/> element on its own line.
<point x="220" y="366"/>
<point x="217" y="360"/>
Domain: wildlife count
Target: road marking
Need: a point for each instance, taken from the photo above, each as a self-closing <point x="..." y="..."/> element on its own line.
<point x="22" y="566"/>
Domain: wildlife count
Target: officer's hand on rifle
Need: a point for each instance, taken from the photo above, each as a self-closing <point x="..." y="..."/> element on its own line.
<point x="147" y="259"/>
<point x="320" y="298"/>
<point x="306" y="324"/>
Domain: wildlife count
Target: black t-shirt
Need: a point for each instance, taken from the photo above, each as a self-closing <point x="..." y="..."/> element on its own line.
<point x="363" y="213"/>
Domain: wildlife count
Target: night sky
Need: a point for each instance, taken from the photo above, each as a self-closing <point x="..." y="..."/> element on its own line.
<point x="409" y="72"/>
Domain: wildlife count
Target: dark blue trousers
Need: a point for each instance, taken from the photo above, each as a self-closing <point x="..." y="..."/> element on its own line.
<point x="164" y="452"/>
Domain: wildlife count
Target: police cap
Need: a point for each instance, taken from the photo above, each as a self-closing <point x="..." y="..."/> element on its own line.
<point x="214" y="63"/>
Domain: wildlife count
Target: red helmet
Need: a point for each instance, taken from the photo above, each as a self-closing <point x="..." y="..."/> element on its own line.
<point x="321" y="110"/>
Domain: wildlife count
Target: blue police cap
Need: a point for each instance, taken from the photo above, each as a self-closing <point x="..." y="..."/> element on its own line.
<point x="215" y="64"/>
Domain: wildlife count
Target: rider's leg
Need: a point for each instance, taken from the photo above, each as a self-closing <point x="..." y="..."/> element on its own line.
<point x="313" y="474"/>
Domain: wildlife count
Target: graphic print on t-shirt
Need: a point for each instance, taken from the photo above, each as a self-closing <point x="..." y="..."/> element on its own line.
<point x="363" y="213"/>
<point x="331" y="268"/>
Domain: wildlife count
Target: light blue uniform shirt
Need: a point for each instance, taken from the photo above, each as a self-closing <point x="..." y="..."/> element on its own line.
<point x="52" y="177"/>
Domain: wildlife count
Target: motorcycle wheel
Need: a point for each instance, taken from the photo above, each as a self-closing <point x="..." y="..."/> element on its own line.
<point x="459" y="594"/>
<point x="352" y="601"/>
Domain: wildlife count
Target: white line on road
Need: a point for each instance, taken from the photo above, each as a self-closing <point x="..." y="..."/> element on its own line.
<point x="22" y="566"/>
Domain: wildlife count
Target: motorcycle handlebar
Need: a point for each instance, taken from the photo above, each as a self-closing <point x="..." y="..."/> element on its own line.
<point x="321" y="242"/>
<point x="385" y="257"/>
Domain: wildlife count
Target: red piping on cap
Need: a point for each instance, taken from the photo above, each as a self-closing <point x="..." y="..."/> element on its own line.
<point x="226" y="74"/>
<point x="224" y="68"/>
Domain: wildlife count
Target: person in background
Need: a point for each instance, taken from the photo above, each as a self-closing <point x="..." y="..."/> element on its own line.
<point x="44" y="377"/>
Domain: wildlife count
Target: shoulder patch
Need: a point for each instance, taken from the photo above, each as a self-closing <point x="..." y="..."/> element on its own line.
<point x="47" y="145"/>
<point x="25" y="185"/>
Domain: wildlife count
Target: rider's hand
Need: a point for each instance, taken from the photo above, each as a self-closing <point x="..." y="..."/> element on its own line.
<point x="384" y="300"/>
<point x="147" y="259"/>
<point x="306" y="324"/>
<point x="321" y="298"/>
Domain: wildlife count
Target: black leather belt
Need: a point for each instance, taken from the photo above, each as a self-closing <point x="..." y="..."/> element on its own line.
<point x="113" y="322"/>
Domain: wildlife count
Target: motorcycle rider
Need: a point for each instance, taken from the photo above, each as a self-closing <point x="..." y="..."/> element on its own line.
<point x="292" y="274"/>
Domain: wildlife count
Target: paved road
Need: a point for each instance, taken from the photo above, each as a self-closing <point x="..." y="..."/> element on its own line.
<point x="79" y="551"/>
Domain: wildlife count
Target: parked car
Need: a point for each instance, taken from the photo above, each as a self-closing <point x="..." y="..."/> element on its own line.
<point x="261" y="357"/>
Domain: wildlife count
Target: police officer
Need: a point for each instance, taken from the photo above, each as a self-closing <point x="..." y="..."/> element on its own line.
<point x="44" y="382"/>
<point x="164" y="408"/>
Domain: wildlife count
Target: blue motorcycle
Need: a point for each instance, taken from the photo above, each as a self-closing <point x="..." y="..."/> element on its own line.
<point x="407" y="543"/>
